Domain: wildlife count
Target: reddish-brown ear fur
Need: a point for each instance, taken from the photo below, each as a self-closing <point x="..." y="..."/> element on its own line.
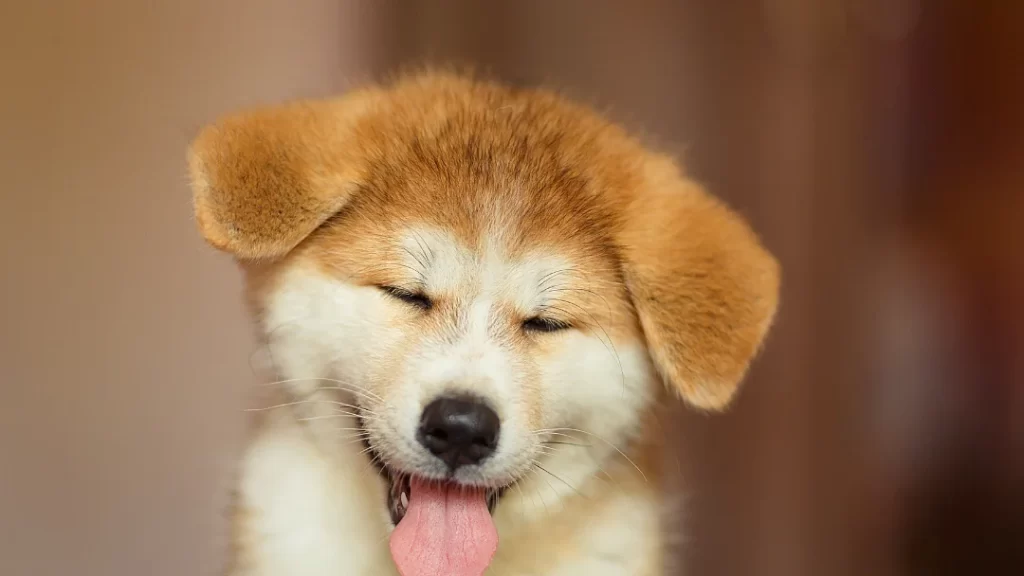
<point x="704" y="288"/>
<point x="263" y="180"/>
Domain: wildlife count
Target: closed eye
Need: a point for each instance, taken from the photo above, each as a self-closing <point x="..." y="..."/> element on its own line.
<point x="417" y="299"/>
<point x="542" y="324"/>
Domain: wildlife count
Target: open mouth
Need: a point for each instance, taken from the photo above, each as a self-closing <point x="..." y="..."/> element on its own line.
<point x="400" y="488"/>
<point x="441" y="527"/>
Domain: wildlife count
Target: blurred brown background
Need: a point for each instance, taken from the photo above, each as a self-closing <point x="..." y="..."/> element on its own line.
<point x="876" y="145"/>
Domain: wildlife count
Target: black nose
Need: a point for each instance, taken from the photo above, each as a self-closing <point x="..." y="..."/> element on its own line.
<point x="460" y="431"/>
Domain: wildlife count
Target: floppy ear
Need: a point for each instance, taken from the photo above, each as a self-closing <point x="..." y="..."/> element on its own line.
<point x="703" y="287"/>
<point x="264" y="180"/>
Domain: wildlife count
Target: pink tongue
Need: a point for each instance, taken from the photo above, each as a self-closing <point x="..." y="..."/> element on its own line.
<point x="447" y="531"/>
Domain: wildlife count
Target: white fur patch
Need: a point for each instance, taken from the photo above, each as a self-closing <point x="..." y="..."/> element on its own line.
<point x="310" y="514"/>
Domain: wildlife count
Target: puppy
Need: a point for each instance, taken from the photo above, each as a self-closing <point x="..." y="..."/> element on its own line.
<point x="477" y="300"/>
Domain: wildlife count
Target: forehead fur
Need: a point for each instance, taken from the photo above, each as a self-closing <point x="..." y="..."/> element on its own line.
<point x="482" y="160"/>
<point x="523" y="169"/>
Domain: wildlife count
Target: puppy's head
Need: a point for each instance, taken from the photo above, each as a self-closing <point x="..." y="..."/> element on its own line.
<point x="469" y="272"/>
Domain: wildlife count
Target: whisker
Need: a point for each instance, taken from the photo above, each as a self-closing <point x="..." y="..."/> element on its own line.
<point x="550" y="487"/>
<point x="555" y="431"/>
<point x="522" y="496"/>
<point x="360" y="392"/>
<point x="560" y="479"/>
<point x="607" y="304"/>
<point x="350" y="388"/>
<point x="337" y="403"/>
<point x="352" y="439"/>
<point x="390" y="266"/>
<point x="560" y="442"/>
<point x="299" y="402"/>
<point x="329" y="417"/>
<point x="416" y="257"/>
<point x="551" y="452"/>
<point x="553" y="274"/>
<point x="552" y="431"/>
<point x="424" y="252"/>
<point x="607" y="341"/>
<point x="572" y="270"/>
<point x="544" y="502"/>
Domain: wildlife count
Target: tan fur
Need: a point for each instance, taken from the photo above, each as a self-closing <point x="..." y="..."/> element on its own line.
<point x="324" y="183"/>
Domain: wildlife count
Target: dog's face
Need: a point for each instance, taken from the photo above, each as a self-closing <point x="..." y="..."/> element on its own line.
<point x="470" y="274"/>
<point x="426" y="310"/>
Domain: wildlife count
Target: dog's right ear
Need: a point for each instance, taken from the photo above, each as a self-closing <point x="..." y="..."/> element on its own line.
<point x="264" y="180"/>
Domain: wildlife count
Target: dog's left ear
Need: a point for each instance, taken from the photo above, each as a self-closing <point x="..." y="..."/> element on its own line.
<point x="703" y="286"/>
